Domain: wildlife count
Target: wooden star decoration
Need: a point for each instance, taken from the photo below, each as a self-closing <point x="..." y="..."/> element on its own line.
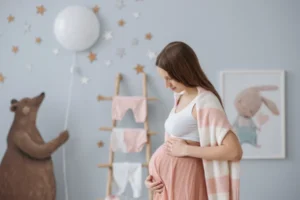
<point x="92" y="57"/>
<point x="96" y="9"/>
<point x="2" y="78"/>
<point x="38" y="40"/>
<point x="40" y="10"/>
<point x="121" y="22"/>
<point x="139" y="69"/>
<point x="15" y="49"/>
<point x="148" y="36"/>
<point x="10" y="18"/>
<point x="100" y="144"/>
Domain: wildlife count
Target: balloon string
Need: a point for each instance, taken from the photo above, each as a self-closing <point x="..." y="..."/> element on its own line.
<point x="66" y="125"/>
<point x="70" y="92"/>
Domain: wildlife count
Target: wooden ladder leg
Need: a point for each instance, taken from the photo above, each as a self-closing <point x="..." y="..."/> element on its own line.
<point x="146" y="126"/>
<point x="111" y="153"/>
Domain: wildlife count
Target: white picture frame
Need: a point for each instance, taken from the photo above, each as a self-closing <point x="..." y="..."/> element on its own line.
<point x="262" y="134"/>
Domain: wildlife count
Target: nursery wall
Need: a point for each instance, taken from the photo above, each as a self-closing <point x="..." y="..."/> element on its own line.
<point x="224" y="34"/>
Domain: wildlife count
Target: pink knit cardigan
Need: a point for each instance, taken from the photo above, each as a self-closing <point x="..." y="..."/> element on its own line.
<point x="222" y="177"/>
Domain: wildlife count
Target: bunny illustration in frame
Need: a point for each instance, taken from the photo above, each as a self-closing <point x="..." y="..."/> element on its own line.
<point x="247" y="103"/>
<point x="254" y="101"/>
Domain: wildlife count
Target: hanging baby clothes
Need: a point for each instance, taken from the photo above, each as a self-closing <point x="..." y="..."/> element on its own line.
<point x="128" y="139"/>
<point x="128" y="172"/>
<point x="138" y="105"/>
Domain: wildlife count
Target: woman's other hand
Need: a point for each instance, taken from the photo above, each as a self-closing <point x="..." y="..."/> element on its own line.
<point x="153" y="186"/>
<point x="176" y="147"/>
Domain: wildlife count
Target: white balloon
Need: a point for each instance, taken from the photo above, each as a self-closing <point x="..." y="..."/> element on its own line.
<point x="76" y="28"/>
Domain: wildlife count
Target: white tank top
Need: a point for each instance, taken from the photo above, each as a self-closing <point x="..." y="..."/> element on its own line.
<point x="182" y="124"/>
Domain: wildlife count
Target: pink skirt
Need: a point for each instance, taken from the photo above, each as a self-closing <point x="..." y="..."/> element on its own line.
<point x="183" y="177"/>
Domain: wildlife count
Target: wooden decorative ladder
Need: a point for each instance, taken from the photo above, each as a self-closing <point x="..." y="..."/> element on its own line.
<point x="114" y="124"/>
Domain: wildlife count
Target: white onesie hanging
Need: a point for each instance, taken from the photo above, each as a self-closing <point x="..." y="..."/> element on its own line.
<point x="128" y="172"/>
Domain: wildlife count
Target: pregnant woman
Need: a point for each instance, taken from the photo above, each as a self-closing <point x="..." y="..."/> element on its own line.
<point x="199" y="159"/>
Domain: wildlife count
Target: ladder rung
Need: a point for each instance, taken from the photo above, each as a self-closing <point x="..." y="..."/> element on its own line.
<point x="103" y="98"/>
<point x="110" y="129"/>
<point x="109" y="165"/>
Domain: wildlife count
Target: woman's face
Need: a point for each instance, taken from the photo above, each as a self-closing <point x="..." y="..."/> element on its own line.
<point x="169" y="82"/>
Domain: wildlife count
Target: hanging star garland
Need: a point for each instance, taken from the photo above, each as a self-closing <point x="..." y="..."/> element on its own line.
<point x="2" y="78"/>
<point x="100" y="144"/>
<point x="139" y="69"/>
<point x="96" y="9"/>
<point x="92" y="57"/>
<point x="121" y="22"/>
<point x="15" y="49"/>
<point x="38" y="40"/>
<point x="40" y="10"/>
<point x="148" y="36"/>
<point x="10" y="18"/>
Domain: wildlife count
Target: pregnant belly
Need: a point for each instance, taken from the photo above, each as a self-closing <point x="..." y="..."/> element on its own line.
<point x="159" y="159"/>
<point x="182" y="177"/>
<point x="162" y="164"/>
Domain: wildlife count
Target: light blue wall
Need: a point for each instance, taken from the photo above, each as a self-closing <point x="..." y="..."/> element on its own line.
<point x="225" y="35"/>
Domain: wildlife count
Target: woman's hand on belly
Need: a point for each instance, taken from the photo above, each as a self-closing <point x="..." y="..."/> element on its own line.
<point x="154" y="186"/>
<point x="176" y="147"/>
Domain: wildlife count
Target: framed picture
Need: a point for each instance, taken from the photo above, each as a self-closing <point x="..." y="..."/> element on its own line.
<point x="254" y="101"/>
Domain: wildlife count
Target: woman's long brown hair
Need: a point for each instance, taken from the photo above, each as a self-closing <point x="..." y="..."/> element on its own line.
<point x="181" y="63"/>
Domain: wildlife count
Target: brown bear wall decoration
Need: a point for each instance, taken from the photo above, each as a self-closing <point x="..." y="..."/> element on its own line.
<point x="26" y="169"/>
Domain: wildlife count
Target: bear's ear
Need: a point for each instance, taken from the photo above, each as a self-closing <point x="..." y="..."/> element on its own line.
<point x="13" y="101"/>
<point x="13" y="107"/>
